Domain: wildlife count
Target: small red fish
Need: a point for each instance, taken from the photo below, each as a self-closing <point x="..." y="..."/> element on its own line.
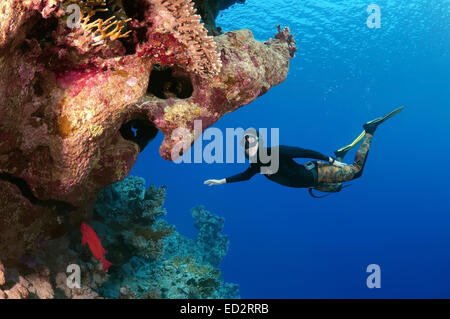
<point x="95" y="245"/>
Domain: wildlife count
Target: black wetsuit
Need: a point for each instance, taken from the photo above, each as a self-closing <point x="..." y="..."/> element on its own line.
<point x="290" y="173"/>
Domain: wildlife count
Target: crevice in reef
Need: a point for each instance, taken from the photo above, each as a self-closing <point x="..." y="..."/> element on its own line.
<point x="25" y="189"/>
<point x="139" y="131"/>
<point x="42" y="30"/>
<point x="37" y="86"/>
<point x="135" y="8"/>
<point x="164" y="84"/>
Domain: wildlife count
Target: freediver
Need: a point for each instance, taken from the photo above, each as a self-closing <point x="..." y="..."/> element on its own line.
<point x="326" y="174"/>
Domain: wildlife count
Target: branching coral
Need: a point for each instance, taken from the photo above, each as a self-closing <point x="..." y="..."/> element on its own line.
<point x="179" y="17"/>
<point x="96" y="25"/>
<point x="174" y="33"/>
<point x="101" y="29"/>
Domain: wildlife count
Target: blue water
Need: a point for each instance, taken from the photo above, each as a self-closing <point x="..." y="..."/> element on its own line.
<point x="285" y="244"/>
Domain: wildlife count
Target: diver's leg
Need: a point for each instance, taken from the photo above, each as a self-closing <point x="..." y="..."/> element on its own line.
<point x="330" y="174"/>
<point x="361" y="156"/>
<point x="340" y="154"/>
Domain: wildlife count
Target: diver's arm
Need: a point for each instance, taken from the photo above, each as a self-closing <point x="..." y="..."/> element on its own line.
<point x="245" y="176"/>
<point x="233" y="179"/>
<point x="298" y="152"/>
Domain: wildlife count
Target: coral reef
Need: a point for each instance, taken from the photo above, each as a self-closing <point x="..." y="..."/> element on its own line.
<point x="44" y="275"/>
<point x="75" y="114"/>
<point x="179" y="19"/>
<point x="150" y="258"/>
<point x="209" y="238"/>
<point x="125" y="218"/>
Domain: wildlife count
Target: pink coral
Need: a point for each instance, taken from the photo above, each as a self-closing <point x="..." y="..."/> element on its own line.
<point x="179" y="17"/>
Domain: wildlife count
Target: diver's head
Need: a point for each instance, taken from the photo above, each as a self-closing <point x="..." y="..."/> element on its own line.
<point x="251" y="142"/>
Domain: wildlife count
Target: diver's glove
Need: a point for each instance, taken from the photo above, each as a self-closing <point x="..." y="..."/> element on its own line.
<point x="336" y="163"/>
<point x="213" y="182"/>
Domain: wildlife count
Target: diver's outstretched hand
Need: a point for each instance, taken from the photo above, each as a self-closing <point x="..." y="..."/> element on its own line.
<point x="214" y="182"/>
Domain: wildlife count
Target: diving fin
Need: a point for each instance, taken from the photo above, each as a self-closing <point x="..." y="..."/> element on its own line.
<point x="371" y="126"/>
<point x="340" y="154"/>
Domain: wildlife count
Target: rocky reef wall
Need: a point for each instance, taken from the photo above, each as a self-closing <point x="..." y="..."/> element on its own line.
<point x="150" y="258"/>
<point x="78" y="105"/>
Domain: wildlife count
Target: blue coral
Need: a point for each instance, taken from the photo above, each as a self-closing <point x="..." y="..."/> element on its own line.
<point x="152" y="260"/>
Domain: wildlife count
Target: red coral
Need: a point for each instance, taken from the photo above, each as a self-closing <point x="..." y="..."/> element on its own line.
<point x="164" y="49"/>
<point x="79" y="76"/>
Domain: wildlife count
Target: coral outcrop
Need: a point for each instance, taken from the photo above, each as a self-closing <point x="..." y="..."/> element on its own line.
<point x="125" y="216"/>
<point x="45" y="275"/>
<point x="75" y="114"/>
<point x="285" y="35"/>
<point x="184" y="24"/>
<point x="150" y="258"/>
<point x="209" y="238"/>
